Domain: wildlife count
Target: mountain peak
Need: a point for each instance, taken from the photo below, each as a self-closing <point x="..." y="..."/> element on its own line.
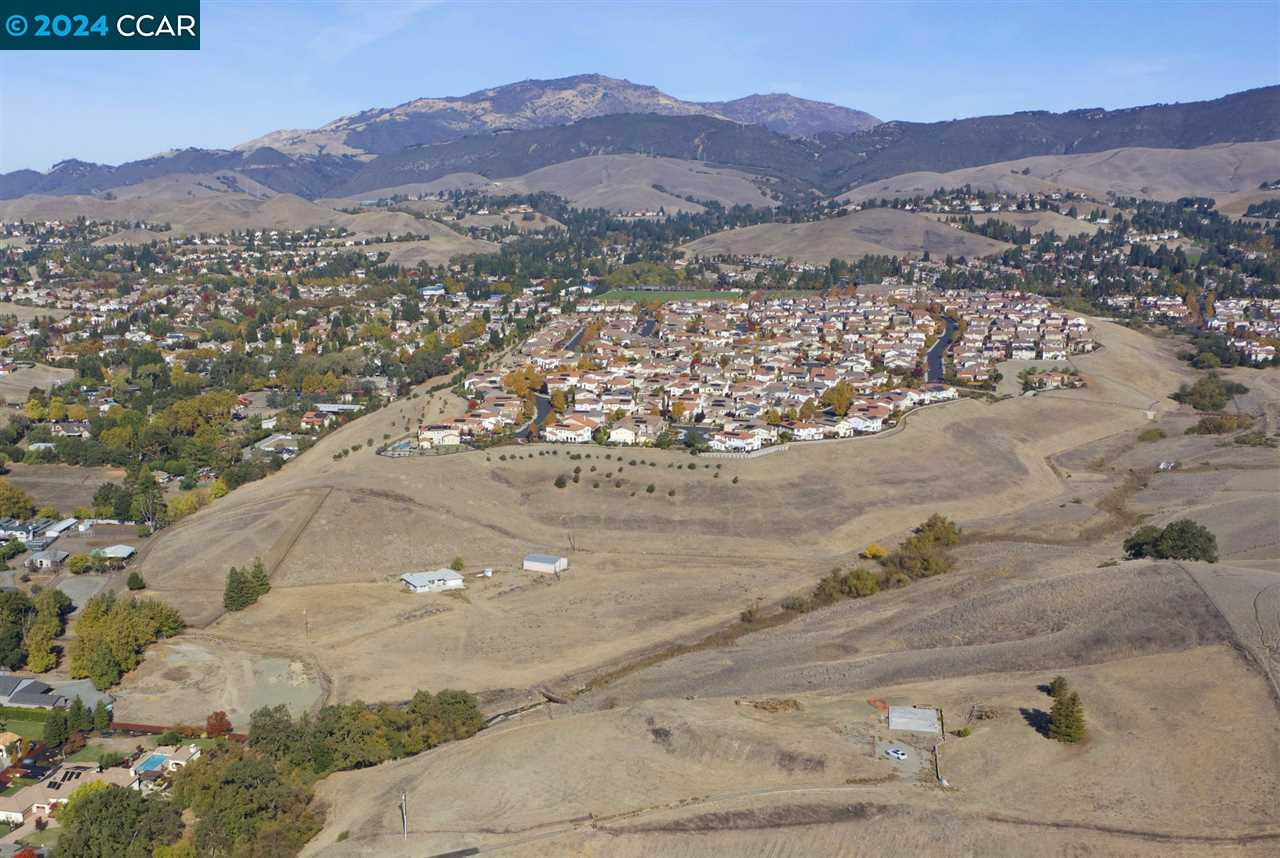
<point x="539" y="103"/>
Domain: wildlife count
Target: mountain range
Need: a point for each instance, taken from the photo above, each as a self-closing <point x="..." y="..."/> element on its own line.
<point x="795" y="146"/>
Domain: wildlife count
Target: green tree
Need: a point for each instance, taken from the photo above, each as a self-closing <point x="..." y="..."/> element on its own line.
<point x="1066" y="719"/>
<point x="56" y="729"/>
<point x="238" y="593"/>
<point x="456" y="564"/>
<point x="136" y="582"/>
<point x="79" y="717"/>
<point x="258" y="581"/>
<point x="101" y="716"/>
<point x="78" y="564"/>
<point x="116" y="822"/>
<point x="1183" y="539"/>
<point x="1058" y="686"/>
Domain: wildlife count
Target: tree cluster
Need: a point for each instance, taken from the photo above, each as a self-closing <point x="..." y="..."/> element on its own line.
<point x="355" y="735"/>
<point x="1209" y="393"/>
<point x="28" y="627"/>
<point x="245" y="586"/>
<point x="110" y="635"/>
<point x="1183" y="539"/>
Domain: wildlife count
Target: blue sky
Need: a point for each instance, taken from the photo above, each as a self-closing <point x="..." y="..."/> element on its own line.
<point x="270" y="64"/>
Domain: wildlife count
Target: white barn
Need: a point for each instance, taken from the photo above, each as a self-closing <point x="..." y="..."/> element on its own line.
<point x="545" y="563"/>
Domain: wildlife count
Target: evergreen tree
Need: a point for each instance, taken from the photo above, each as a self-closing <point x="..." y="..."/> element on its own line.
<point x="79" y="718"/>
<point x="1066" y="719"/>
<point x="1058" y="687"/>
<point x="101" y="716"/>
<point x="55" y="729"/>
<point x="136" y="582"/>
<point x="259" y="583"/>
<point x="237" y="595"/>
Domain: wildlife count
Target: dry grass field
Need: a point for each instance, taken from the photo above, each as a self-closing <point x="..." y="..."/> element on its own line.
<point x="1162" y="773"/>
<point x="770" y="743"/>
<point x="15" y="386"/>
<point x="647" y="568"/>
<point x="888" y="232"/>
<point x="64" y="487"/>
<point x="1165" y="174"/>
<point x="626" y="183"/>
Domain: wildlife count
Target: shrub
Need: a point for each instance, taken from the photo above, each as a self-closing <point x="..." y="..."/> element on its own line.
<point x="135" y="582"/>
<point x="795" y="604"/>
<point x="750" y="614"/>
<point x="1220" y="424"/>
<point x="874" y="551"/>
<point x="734" y="481"/>
<point x="456" y="564"/>
<point x="1149" y="435"/>
<point x="671" y="493"/>
<point x="650" y="488"/>
<point x="962" y="732"/>
<point x="561" y="481"/>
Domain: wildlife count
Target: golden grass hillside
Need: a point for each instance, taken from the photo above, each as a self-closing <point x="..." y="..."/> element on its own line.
<point x="647" y="568"/>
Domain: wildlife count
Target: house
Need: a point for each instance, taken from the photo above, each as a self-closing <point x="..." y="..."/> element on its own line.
<point x="432" y="582"/>
<point x="40" y="799"/>
<point x="439" y="435"/>
<point x="70" y="429"/>
<point x="736" y="442"/>
<point x="548" y="564"/>
<point x="50" y="558"/>
<point x="28" y="693"/>
<point x="167" y="759"/>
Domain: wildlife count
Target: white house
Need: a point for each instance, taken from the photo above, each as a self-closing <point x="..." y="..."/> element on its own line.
<point x="432" y="582"/>
<point x="546" y="563"/>
<point x="439" y="435"/>
<point x="738" y="442"/>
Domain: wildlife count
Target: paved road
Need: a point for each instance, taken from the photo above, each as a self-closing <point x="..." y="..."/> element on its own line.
<point x="934" y="357"/>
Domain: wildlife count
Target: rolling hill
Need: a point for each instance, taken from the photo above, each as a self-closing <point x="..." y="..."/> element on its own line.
<point x="1212" y="171"/>
<point x="887" y="232"/>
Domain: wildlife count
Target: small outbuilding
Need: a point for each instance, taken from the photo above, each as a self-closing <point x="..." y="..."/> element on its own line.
<point x="50" y="558"/>
<point x="432" y="582"/>
<point x="914" y="720"/>
<point x="548" y="564"/>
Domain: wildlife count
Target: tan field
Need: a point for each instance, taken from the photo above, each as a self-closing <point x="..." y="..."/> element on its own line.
<point x="772" y="742"/>
<point x="1164" y="174"/>
<point x="1182" y="759"/>
<point x="64" y="487"/>
<point x="15" y="387"/>
<point x="626" y="183"/>
<point x="886" y="232"/>
<point x="646" y="568"/>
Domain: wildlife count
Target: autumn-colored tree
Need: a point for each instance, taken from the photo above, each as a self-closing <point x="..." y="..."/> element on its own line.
<point x="217" y="724"/>
<point x="14" y="502"/>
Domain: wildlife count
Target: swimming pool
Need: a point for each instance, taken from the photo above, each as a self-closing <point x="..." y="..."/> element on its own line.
<point x="151" y="763"/>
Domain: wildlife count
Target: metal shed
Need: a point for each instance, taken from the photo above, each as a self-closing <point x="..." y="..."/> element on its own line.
<point x="546" y="563"/>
